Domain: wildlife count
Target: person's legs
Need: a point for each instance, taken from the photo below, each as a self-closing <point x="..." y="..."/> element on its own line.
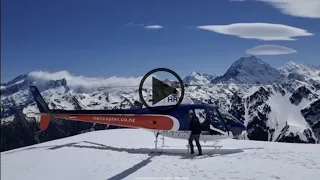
<point x="197" y="138"/>
<point x="191" y="137"/>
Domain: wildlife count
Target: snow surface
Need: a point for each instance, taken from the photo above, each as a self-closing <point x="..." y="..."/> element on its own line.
<point x="126" y="154"/>
<point x="283" y="112"/>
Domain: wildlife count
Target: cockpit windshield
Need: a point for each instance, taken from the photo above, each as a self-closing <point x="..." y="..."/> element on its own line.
<point x="215" y="119"/>
<point x="228" y="118"/>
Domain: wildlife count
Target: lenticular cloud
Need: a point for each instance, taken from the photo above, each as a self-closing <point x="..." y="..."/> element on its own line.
<point x="260" y="31"/>
<point x="270" y="50"/>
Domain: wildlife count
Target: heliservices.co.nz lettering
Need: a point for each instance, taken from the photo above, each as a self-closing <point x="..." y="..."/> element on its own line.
<point x="104" y="118"/>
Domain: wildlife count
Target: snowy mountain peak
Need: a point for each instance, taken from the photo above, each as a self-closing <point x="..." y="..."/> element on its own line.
<point x="250" y="70"/>
<point x="198" y="78"/>
<point x="16" y="80"/>
<point x="248" y="62"/>
<point x="292" y="63"/>
<point x="300" y="72"/>
<point x="194" y="73"/>
<point x="290" y="67"/>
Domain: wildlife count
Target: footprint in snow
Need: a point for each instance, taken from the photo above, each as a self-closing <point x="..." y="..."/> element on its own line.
<point x="275" y="177"/>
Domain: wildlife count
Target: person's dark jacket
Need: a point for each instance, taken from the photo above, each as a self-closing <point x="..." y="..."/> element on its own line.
<point x="195" y="126"/>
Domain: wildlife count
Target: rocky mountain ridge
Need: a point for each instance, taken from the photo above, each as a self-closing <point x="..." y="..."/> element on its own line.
<point x="196" y="78"/>
<point x="284" y="107"/>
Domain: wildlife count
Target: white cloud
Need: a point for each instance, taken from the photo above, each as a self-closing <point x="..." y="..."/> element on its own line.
<point x="87" y="82"/>
<point x="153" y="27"/>
<point x="270" y="49"/>
<point x="260" y="31"/>
<point x="299" y="8"/>
<point x="133" y="24"/>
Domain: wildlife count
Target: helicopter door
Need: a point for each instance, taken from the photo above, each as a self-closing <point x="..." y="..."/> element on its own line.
<point x="201" y="114"/>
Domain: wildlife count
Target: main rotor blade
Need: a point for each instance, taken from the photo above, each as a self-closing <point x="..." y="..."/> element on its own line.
<point x="192" y="85"/>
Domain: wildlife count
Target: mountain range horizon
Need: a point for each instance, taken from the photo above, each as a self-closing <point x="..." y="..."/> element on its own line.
<point x="209" y="76"/>
<point x="283" y="105"/>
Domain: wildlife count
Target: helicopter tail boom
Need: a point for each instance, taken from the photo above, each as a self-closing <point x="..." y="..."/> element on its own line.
<point x="124" y="118"/>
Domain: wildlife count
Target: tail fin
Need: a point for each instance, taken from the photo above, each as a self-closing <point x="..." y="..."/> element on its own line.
<point x="43" y="108"/>
<point x="42" y="105"/>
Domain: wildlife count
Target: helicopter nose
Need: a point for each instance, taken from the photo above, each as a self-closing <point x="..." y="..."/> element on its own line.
<point x="238" y="129"/>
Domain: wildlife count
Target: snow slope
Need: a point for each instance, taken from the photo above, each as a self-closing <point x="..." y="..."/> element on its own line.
<point x="127" y="155"/>
<point x="284" y="113"/>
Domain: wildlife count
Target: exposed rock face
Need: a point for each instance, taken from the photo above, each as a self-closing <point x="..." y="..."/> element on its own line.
<point x="312" y="116"/>
<point x="257" y="112"/>
<point x="285" y="108"/>
<point x="299" y="94"/>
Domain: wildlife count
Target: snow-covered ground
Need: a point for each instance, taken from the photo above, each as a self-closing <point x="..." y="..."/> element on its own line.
<point x="126" y="154"/>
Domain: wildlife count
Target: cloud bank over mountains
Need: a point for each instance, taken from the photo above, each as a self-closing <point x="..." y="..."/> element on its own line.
<point x="88" y="82"/>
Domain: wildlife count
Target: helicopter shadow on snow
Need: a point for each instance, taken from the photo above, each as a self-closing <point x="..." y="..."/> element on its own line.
<point x="182" y="152"/>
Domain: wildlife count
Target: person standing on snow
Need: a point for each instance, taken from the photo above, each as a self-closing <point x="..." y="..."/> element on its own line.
<point x="195" y="128"/>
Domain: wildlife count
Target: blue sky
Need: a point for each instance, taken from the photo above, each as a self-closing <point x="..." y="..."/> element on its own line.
<point x="104" y="38"/>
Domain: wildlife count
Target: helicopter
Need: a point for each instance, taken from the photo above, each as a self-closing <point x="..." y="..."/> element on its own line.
<point x="173" y="124"/>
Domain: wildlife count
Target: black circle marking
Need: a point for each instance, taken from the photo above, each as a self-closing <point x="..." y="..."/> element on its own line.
<point x="170" y="106"/>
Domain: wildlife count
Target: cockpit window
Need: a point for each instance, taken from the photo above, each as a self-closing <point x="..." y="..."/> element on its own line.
<point x="228" y="117"/>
